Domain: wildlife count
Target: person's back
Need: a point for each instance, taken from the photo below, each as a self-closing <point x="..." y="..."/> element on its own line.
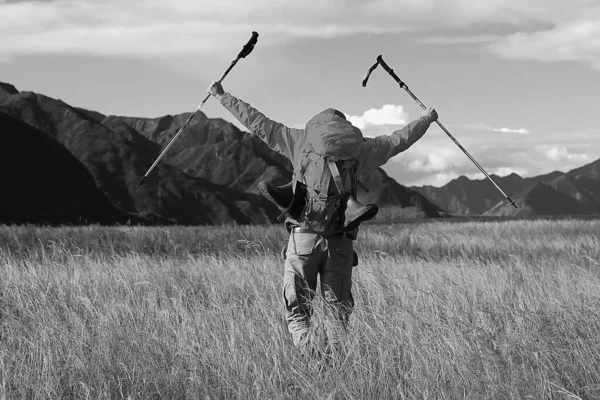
<point x="325" y="175"/>
<point x="318" y="243"/>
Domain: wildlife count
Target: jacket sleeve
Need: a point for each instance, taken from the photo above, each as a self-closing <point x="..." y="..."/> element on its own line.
<point x="377" y="151"/>
<point x="276" y="135"/>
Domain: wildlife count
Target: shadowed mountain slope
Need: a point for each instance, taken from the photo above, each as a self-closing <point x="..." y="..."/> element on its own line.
<point x="118" y="156"/>
<point x="42" y="182"/>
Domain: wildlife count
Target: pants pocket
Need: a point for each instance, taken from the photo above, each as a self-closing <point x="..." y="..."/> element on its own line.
<point x="302" y="243"/>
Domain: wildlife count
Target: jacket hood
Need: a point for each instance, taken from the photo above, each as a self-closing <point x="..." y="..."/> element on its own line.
<point x="327" y="115"/>
<point x="332" y="135"/>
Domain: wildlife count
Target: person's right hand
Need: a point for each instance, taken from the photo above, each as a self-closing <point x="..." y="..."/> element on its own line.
<point x="430" y="114"/>
<point x="215" y="89"/>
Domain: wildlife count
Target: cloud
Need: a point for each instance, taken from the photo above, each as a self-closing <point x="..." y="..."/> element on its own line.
<point x="478" y="127"/>
<point x="475" y="39"/>
<point x="505" y="171"/>
<point x="434" y="159"/>
<point x="500" y="171"/>
<point x="521" y="131"/>
<point x="151" y="28"/>
<point x="376" y="121"/>
<point x="388" y="114"/>
<point x="433" y="163"/>
<point x="575" y="40"/>
<point x="562" y="154"/>
<point x="430" y="163"/>
<point x="547" y="30"/>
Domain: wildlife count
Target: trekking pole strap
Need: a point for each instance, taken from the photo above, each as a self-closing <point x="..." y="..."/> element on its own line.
<point x="368" y="74"/>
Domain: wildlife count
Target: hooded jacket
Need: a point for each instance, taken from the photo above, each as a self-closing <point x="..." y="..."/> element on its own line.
<point x="290" y="142"/>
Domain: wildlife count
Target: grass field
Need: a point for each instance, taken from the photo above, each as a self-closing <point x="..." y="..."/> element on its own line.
<point x="443" y="310"/>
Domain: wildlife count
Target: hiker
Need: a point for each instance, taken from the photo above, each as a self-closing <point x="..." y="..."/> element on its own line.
<point x="328" y="156"/>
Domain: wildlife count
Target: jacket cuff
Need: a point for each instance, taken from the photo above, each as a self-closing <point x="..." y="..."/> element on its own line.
<point x="426" y="120"/>
<point x="226" y="96"/>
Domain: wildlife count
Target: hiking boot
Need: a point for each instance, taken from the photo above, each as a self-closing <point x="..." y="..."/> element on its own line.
<point x="281" y="196"/>
<point x="356" y="213"/>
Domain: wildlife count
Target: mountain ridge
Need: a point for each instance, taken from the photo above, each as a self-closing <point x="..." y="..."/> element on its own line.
<point x="466" y="197"/>
<point x="209" y="176"/>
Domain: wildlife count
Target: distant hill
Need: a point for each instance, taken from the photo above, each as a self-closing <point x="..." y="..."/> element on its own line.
<point x="397" y="201"/>
<point x="215" y="150"/>
<point x="42" y="182"/>
<point x="209" y="176"/>
<point x="576" y="192"/>
<point x="118" y="159"/>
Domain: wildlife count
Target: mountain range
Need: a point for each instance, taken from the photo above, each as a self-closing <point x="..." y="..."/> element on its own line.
<point x="64" y="164"/>
<point x="576" y="192"/>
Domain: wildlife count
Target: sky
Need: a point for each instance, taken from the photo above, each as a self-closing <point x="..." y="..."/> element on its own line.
<point x="515" y="82"/>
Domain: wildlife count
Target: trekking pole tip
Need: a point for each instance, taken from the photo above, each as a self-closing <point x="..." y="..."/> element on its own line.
<point x="140" y="182"/>
<point x="512" y="202"/>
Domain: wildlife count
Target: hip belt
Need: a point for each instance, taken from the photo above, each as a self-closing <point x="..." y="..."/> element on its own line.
<point x="301" y="230"/>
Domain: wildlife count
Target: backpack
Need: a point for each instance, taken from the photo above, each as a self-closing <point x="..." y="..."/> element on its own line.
<point x="325" y="174"/>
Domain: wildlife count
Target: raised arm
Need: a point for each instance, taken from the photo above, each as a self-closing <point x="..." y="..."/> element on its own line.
<point x="276" y="135"/>
<point x="377" y="151"/>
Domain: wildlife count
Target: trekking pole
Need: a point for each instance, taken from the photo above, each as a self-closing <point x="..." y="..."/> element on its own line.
<point x="247" y="49"/>
<point x="403" y="86"/>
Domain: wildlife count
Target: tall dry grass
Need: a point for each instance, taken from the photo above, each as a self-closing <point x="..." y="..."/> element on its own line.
<point x="443" y="310"/>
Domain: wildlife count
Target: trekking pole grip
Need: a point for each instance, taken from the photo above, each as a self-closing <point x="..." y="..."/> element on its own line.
<point x="248" y="47"/>
<point x="390" y="71"/>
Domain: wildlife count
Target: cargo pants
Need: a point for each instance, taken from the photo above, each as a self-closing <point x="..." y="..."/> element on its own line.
<point x="309" y="255"/>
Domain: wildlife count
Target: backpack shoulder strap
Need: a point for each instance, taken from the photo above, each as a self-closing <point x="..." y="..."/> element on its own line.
<point x="302" y="164"/>
<point x="335" y="174"/>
